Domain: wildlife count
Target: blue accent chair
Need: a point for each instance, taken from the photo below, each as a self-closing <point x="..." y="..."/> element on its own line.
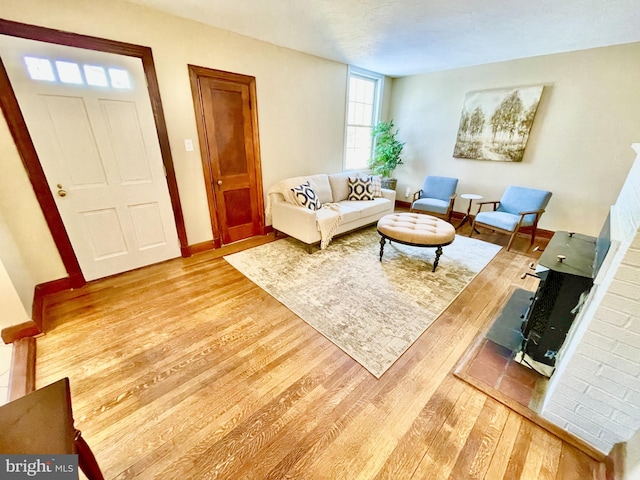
<point x="519" y="207"/>
<point x="436" y="197"/>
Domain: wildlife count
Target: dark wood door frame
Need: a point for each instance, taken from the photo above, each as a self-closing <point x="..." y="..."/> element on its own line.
<point x="21" y="137"/>
<point x="196" y="72"/>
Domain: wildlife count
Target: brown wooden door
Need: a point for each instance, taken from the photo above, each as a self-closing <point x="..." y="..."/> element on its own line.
<point x="227" y="123"/>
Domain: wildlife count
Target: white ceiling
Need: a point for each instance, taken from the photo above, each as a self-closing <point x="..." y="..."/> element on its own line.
<point x="405" y="37"/>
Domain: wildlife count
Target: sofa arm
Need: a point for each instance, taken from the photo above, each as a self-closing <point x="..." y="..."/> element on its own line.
<point x="390" y="194"/>
<point x="297" y="222"/>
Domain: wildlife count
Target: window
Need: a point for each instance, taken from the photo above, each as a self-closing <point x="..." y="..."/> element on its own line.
<point x="70" y="73"/>
<point x="363" y="110"/>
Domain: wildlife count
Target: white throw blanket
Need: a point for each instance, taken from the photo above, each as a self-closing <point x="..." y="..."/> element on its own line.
<point x="328" y="219"/>
<point x="281" y="188"/>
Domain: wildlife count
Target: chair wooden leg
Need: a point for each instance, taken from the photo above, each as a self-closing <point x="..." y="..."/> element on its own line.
<point x="513" y="236"/>
<point x="533" y="234"/>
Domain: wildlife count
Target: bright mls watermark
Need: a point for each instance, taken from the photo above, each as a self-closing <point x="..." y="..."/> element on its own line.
<point x="51" y="467"/>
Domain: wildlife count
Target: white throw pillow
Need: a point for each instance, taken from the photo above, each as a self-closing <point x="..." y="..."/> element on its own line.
<point x="322" y="187"/>
<point x="376" y="184"/>
<point x="340" y="185"/>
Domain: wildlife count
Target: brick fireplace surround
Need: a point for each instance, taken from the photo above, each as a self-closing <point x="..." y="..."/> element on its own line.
<point x="595" y="390"/>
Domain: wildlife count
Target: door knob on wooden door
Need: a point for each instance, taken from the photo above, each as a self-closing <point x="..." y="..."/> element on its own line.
<point x="219" y="182"/>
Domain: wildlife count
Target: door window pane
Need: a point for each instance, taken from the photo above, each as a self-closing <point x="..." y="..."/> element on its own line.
<point x="69" y="72"/>
<point x="119" y="78"/>
<point x="40" y="69"/>
<point x="96" y="76"/>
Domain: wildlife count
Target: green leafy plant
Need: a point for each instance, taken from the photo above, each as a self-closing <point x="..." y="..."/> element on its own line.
<point x="387" y="151"/>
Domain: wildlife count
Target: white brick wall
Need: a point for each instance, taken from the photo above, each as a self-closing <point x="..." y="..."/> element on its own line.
<point x="595" y="391"/>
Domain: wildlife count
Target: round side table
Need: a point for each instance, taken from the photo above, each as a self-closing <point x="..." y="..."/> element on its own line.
<point x="471" y="197"/>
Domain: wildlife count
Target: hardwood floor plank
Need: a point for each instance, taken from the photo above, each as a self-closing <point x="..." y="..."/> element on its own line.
<point x="535" y="455"/>
<point x="280" y="459"/>
<point x="520" y="450"/>
<point x="573" y="465"/>
<point x="442" y="454"/>
<point x="188" y="370"/>
<point x="403" y="461"/>
<point x="475" y="456"/>
<point x="502" y="454"/>
<point x="552" y="448"/>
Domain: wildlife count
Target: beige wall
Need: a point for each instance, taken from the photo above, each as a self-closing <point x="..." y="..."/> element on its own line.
<point x="26" y="245"/>
<point x="15" y="280"/>
<point x="579" y="143"/>
<point x="13" y="311"/>
<point x="301" y="102"/>
<point x="632" y="460"/>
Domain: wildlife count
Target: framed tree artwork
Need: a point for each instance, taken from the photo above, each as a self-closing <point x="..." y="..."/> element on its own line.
<point x="495" y="124"/>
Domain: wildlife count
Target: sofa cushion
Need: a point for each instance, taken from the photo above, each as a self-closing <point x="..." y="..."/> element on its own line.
<point x="322" y="187"/>
<point x="366" y="209"/>
<point x="340" y="185"/>
<point x="350" y="213"/>
<point x="360" y="188"/>
<point x="305" y="196"/>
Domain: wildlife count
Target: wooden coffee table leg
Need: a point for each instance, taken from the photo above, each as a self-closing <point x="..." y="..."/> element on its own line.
<point x="382" y="240"/>
<point x="438" y="253"/>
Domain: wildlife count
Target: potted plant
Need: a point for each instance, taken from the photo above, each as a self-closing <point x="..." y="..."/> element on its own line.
<point x="386" y="154"/>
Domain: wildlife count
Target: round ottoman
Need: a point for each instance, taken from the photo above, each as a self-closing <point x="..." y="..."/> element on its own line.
<point x="416" y="229"/>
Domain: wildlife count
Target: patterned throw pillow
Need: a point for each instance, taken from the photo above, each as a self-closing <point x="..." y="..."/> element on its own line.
<point x="305" y="196"/>
<point x="376" y="184"/>
<point x="360" y="188"/>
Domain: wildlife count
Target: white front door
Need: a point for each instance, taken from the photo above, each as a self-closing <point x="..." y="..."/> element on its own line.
<point x="90" y="118"/>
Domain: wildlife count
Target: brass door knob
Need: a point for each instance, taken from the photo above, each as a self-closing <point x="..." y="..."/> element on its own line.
<point x="61" y="192"/>
<point x="219" y="182"/>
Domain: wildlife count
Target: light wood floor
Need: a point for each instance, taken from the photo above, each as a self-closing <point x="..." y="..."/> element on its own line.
<point x="187" y="370"/>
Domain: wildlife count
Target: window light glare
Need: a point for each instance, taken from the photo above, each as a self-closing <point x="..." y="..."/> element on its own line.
<point x="69" y="72"/>
<point x="96" y="76"/>
<point x="40" y="69"/>
<point x="119" y="78"/>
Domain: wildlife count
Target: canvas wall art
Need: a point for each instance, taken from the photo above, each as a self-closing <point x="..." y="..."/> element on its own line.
<point x="495" y="124"/>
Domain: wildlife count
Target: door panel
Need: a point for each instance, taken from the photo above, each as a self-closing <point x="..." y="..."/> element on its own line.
<point x="147" y="224"/>
<point x="73" y="140"/>
<point x="99" y="150"/>
<point x="228" y="117"/>
<point x="124" y="129"/>
<point x="105" y="233"/>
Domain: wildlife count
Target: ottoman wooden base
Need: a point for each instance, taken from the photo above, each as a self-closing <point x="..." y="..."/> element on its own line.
<point x="417" y="230"/>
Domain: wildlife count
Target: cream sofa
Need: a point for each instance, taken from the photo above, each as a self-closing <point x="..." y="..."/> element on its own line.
<point x="301" y="223"/>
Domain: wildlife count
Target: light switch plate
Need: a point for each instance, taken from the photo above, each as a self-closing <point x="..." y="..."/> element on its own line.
<point x="188" y="145"/>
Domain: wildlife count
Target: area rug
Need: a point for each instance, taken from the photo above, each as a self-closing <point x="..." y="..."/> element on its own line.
<point x="372" y="310"/>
